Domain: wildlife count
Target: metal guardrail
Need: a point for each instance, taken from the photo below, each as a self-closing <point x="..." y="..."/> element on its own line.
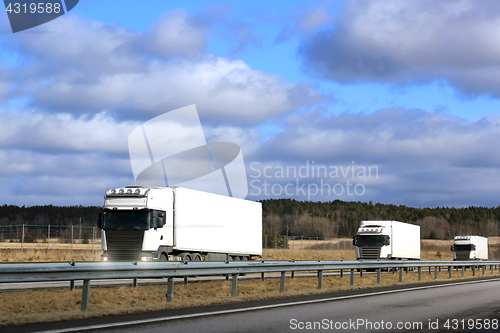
<point x="86" y="271"/>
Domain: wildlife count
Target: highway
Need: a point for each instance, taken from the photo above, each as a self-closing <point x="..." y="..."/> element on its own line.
<point x="417" y="308"/>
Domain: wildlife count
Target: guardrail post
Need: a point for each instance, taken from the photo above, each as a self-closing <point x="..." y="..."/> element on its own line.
<point x="234" y="292"/>
<point x="186" y="280"/>
<point x="262" y="277"/>
<point x="463" y="271"/>
<point x="378" y="275"/>
<point x="483" y="267"/>
<point x="293" y="274"/>
<point x="170" y="290"/>
<point x="361" y="272"/>
<point x="449" y="272"/>
<point x="491" y="267"/>
<point x="473" y="270"/>
<point x="341" y="273"/>
<point x="85" y="295"/>
<point x="435" y="272"/>
<point x="352" y="277"/>
<point x="429" y="270"/>
<point x="320" y="279"/>
<point x="134" y="283"/>
<point x="71" y="285"/>
<point x="282" y="282"/>
<point x="419" y="273"/>
<point x="400" y="274"/>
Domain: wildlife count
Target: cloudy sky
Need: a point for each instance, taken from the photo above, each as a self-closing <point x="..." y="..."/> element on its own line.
<point x="385" y="101"/>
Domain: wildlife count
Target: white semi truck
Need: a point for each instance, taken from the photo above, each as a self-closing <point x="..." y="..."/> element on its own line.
<point x="470" y="248"/>
<point x="390" y="240"/>
<point x="173" y="223"/>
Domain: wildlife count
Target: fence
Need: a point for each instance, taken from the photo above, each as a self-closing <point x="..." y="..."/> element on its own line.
<point x="22" y="236"/>
<point x="305" y="243"/>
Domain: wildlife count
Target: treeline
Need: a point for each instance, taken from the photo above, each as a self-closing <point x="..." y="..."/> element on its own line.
<point x="341" y="219"/>
<point x="302" y="218"/>
<point x="53" y="215"/>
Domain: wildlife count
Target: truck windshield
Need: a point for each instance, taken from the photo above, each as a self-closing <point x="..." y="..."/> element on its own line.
<point x="467" y="247"/>
<point x="127" y="219"/>
<point x="371" y="240"/>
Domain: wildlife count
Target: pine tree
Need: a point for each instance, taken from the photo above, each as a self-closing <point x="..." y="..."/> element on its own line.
<point x="85" y="238"/>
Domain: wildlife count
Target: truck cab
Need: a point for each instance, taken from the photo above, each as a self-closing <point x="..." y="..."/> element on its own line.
<point x="135" y="224"/>
<point x="389" y="240"/>
<point x="373" y="241"/>
<point x="470" y="248"/>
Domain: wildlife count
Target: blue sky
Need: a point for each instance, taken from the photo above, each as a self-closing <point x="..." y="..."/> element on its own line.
<point x="408" y="89"/>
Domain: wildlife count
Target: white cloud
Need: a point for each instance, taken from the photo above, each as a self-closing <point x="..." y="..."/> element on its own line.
<point x="223" y="90"/>
<point x="178" y="33"/>
<point x="422" y="158"/>
<point x="86" y="67"/>
<point x="400" y="42"/>
<point x="63" y="133"/>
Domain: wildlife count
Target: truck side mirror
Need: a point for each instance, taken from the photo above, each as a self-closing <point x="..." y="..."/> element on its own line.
<point x="387" y="240"/>
<point x="354" y="240"/>
<point x="452" y="248"/>
<point x="100" y="220"/>
<point x="161" y="220"/>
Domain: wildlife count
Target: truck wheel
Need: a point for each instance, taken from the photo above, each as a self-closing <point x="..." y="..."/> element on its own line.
<point x="236" y="258"/>
<point x="163" y="257"/>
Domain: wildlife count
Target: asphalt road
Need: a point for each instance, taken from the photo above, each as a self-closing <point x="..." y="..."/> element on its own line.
<point x="418" y="308"/>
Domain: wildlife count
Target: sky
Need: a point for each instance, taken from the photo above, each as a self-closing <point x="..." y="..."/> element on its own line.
<point x="387" y="101"/>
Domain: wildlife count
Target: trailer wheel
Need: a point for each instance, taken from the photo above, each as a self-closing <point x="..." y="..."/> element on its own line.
<point x="236" y="258"/>
<point x="196" y="257"/>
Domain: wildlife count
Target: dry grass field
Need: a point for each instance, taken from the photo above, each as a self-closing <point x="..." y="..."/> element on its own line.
<point x="337" y="249"/>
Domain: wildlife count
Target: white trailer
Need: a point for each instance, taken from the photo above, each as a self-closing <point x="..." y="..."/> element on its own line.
<point x="391" y="240"/>
<point x="470" y="248"/>
<point x="173" y="223"/>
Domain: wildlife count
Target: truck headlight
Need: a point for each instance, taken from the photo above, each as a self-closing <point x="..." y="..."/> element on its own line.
<point x="104" y="258"/>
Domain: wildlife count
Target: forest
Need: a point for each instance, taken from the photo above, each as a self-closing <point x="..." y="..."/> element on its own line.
<point x="301" y="218"/>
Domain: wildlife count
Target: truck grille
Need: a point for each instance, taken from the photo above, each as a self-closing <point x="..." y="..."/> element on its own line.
<point x="462" y="255"/>
<point x="369" y="253"/>
<point x="124" y="245"/>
